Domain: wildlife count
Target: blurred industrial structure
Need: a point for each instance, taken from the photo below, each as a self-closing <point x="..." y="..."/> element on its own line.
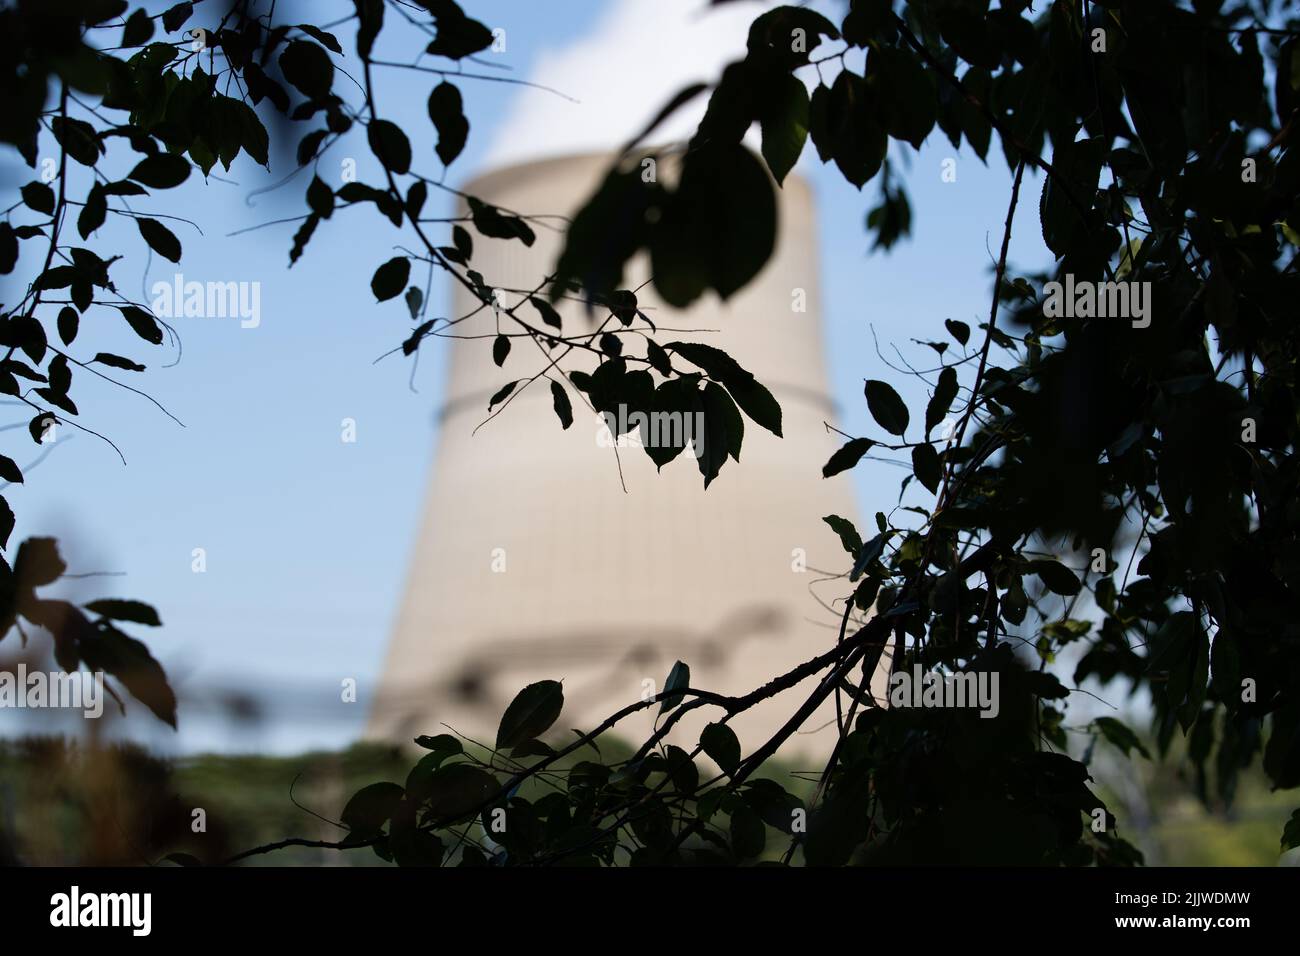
<point x="534" y="562"/>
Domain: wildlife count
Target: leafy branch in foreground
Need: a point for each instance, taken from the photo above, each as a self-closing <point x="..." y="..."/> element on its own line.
<point x="1111" y="500"/>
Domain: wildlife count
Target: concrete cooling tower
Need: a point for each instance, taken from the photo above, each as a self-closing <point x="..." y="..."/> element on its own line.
<point x="532" y="562"/>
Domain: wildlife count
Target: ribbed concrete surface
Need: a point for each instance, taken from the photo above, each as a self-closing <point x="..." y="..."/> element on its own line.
<point x="603" y="589"/>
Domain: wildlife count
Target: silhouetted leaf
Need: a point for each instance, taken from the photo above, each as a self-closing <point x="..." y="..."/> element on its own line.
<point x="458" y="36"/>
<point x="307" y="67"/>
<point x="945" y="390"/>
<point x="390" y="145"/>
<point x="370" y="20"/>
<point x="78" y="138"/>
<point x="38" y="197"/>
<point x="327" y="40"/>
<point x="530" y="714"/>
<point x="370" y="808"/>
<point x="6" y="522"/>
<point x="138" y="29"/>
<point x="720" y="743"/>
<point x="491" y="222"/>
<point x="463" y="242"/>
<point x="926" y="466"/>
<point x="904" y="93"/>
<point x="447" y="113"/>
<point x="784" y="122"/>
<point x="658" y="358"/>
<point x="723" y="419"/>
<point x="719" y="228"/>
<point x="160" y="238"/>
<point x="9" y="470"/>
<point x="886" y="407"/>
<point x="302" y="237"/>
<point x="68" y="323"/>
<point x="414" y="299"/>
<point x="849" y="536"/>
<point x="544" y="309"/>
<point x="1077" y="168"/>
<point x="844" y="126"/>
<point x="390" y="279"/>
<point x="563" y="409"/>
<point x="1057" y="577"/>
<point x="610" y="227"/>
<point x="320" y="198"/>
<point x="784" y="36"/>
<point x="309" y="145"/>
<point x="611" y="345"/>
<point x="757" y="402"/>
<point x="9" y="248"/>
<point x="117" y="609"/>
<point x="752" y="397"/>
<point x="501" y="394"/>
<point x="679" y="678"/>
<point x="142" y="324"/>
<point x="93" y="213"/>
<point x="847" y="456"/>
<point x="58" y="399"/>
<point x="161" y="171"/>
<point x="130" y="662"/>
<point x="174" y="17"/>
<point x="869" y="552"/>
<point x="500" y="350"/>
<point x="117" y="361"/>
<point x="458" y="790"/>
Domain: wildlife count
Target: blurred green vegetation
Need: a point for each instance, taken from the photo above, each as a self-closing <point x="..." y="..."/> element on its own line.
<point x="75" y="803"/>
<point x="1178" y="818"/>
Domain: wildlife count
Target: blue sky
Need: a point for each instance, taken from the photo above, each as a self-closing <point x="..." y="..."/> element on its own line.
<point x="306" y="536"/>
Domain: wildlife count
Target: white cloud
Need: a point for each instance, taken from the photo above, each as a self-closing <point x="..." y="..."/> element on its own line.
<point x="636" y="56"/>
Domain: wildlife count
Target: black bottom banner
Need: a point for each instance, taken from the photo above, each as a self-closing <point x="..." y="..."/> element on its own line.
<point x="264" y="903"/>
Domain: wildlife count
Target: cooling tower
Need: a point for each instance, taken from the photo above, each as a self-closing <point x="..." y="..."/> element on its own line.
<point x="533" y="562"/>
